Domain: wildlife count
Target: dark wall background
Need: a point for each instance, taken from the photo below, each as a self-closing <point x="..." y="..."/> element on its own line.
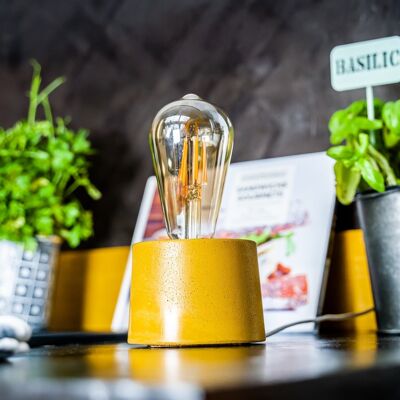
<point x="265" y="62"/>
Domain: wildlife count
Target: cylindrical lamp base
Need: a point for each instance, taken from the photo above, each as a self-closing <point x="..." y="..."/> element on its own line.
<point x="195" y="292"/>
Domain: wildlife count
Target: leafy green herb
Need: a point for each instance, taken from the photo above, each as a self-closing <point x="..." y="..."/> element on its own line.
<point x="42" y="163"/>
<point x="366" y="151"/>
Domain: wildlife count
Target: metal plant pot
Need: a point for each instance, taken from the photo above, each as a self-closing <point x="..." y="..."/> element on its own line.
<point x="379" y="215"/>
<point x="26" y="280"/>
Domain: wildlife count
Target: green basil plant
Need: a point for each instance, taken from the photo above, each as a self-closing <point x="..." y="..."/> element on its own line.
<point x="42" y="163"/>
<point x="367" y="152"/>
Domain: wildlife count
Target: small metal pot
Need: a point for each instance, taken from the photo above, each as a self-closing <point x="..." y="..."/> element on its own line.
<point x="26" y="280"/>
<point x="379" y="215"/>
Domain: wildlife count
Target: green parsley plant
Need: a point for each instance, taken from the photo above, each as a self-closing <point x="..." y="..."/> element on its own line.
<point x="42" y="163"/>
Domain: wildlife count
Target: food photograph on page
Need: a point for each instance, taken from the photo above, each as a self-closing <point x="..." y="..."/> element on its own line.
<point x="288" y="215"/>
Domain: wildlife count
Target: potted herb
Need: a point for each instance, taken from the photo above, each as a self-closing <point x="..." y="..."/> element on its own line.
<point x="367" y="169"/>
<point x="42" y="164"/>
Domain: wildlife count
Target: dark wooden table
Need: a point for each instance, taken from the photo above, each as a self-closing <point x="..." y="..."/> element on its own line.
<point x="288" y="366"/>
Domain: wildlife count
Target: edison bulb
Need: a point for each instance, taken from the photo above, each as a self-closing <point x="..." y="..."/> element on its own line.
<point x="191" y="143"/>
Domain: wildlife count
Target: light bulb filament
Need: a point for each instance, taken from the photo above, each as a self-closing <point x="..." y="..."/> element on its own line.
<point x="182" y="175"/>
<point x="203" y="165"/>
<point x="192" y="175"/>
<point x="193" y="167"/>
<point x="195" y="160"/>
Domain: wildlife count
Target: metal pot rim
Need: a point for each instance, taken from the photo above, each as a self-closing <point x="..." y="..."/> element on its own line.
<point x="371" y="194"/>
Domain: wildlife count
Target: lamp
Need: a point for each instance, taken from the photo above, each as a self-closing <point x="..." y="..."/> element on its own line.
<point x="193" y="289"/>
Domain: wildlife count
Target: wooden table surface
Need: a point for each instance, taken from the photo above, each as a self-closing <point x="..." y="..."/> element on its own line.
<point x="288" y="366"/>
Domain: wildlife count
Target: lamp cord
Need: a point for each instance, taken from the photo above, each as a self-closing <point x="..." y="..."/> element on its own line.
<point x="321" y="318"/>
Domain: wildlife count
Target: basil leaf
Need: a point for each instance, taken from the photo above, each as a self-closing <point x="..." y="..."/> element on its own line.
<point x="390" y="139"/>
<point x="347" y="181"/>
<point x="363" y="140"/>
<point x="357" y="107"/>
<point x="371" y="174"/>
<point x="362" y="123"/>
<point x="340" y="126"/>
<point x="391" y="116"/>
<point x="340" y="152"/>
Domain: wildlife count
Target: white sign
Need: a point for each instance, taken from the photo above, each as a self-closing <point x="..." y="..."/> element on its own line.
<point x="366" y="64"/>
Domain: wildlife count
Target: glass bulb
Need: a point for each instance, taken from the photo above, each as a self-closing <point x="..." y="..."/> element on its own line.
<point x="191" y="143"/>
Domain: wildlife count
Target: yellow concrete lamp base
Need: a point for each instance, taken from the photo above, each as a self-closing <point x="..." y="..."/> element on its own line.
<point x="195" y="292"/>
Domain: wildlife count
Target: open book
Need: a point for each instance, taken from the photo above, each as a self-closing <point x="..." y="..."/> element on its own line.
<point x="286" y="206"/>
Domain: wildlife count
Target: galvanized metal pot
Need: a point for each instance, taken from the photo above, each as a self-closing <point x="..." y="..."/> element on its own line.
<point x="379" y="215"/>
<point x="26" y="280"/>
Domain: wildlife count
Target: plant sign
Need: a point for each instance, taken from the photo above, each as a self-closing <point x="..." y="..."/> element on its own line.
<point x="364" y="65"/>
<point x="365" y="136"/>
